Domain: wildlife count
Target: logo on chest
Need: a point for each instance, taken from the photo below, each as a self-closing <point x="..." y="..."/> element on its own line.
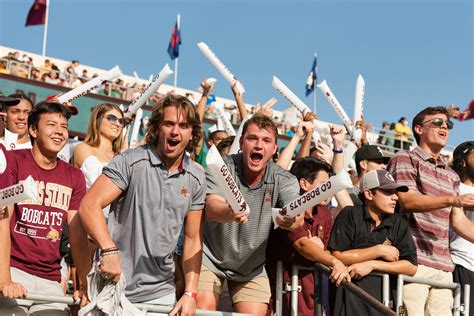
<point x="184" y="192"/>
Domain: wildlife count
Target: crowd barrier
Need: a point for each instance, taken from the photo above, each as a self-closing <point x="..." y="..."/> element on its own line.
<point x="32" y="298"/>
<point x="459" y="308"/>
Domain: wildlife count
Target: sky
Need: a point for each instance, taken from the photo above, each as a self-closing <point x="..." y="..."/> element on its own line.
<point x="412" y="54"/>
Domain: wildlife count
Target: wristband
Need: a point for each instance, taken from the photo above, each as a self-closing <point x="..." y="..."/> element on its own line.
<point x="191" y="294"/>
<point x="109" y="251"/>
<point x="338" y="150"/>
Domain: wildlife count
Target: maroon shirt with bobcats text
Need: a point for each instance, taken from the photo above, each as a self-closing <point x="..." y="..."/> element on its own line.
<point x="36" y="225"/>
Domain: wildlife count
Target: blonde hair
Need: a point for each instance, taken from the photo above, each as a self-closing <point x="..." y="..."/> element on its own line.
<point x="93" y="130"/>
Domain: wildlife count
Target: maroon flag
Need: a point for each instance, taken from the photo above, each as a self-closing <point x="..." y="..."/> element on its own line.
<point x="37" y="13"/>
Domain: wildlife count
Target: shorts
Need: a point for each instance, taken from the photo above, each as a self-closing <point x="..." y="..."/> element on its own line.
<point x="256" y="290"/>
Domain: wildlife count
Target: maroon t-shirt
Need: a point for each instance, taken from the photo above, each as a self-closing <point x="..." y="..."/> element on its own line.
<point x="280" y="247"/>
<point x="36" y="226"/>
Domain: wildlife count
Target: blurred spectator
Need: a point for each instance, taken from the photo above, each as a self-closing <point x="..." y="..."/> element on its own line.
<point x="382" y="140"/>
<point x="403" y="134"/>
<point x="47" y="65"/>
<point x="3" y="67"/>
<point x="35" y="74"/>
<point x="84" y="78"/>
<point x="70" y="69"/>
<point x="52" y="78"/>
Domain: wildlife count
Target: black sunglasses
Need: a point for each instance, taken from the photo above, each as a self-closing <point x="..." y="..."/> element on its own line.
<point x="438" y="122"/>
<point x="113" y="119"/>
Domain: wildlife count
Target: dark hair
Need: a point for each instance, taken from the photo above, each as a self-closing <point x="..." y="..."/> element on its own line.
<point x="362" y="197"/>
<point x="213" y="134"/>
<point x="225" y="143"/>
<point x="45" y="107"/>
<point x="263" y="122"/>
<point x="420" y="118"/>
<point x="21" y="96"/>
<point x="459" y="163"/>
<point x="189" y="111"/>
<point x="309" y="167"/>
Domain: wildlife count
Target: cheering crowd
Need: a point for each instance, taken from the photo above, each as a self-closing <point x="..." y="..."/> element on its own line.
<point x="156" y="218"/>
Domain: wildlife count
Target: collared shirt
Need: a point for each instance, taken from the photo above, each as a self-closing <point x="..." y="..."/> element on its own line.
<point x="354" y="228"/>
<point x="426" y="175"/>
<point x="237" y="251"/>
<point x="146" y="220"/>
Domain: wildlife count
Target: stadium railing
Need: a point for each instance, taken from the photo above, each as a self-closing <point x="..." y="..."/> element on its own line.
<point x="459" y="308"/>
<point x="32" y="298"/>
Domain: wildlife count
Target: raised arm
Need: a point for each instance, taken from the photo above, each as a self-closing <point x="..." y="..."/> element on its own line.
<point x="304" y="128"/>
<point x="306" y="145"/>
<point x="240" y="101"/>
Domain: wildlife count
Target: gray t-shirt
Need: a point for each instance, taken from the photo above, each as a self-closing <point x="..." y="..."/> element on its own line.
<point x="146" y="220"/>
<point x="237" y="251"/>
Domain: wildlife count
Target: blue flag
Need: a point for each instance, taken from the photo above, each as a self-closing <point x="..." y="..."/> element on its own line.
<point x="312" y="77"/>
<point x="175" y="41"/>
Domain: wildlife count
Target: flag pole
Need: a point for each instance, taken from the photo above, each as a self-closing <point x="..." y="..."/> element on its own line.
<point x="176" y="60"/>
<point x="315" y="77"/>
<point x="45" y="32"/>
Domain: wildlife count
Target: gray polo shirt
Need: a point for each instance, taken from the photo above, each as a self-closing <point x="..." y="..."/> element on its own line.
<point x="236" y="251"/>
<point x="146" y="220"/>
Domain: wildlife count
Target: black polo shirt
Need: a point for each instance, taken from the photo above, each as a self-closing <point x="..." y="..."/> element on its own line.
<point x="355" y="229"/>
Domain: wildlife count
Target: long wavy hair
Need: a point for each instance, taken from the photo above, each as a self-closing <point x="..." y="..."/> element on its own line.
<point x="189" y="111"/>
<point x="93" y="130"/>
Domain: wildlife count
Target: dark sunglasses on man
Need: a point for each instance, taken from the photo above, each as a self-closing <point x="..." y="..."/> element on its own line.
<point x="114" y="119"/>
<point x="438" y="122"/>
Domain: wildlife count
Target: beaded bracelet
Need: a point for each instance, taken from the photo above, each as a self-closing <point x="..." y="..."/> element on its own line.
<point x="112" y="252"/>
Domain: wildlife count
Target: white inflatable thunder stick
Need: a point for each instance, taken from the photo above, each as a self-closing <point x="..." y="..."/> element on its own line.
<point x="24" y="190"/>
<point x="90" y="85"/>
<point x="311" y="198"/>
<point x="296" y="102"/>
<point x="218" y="169"/>
<point x="225" y="72"/>
<point x="323" y="86"/>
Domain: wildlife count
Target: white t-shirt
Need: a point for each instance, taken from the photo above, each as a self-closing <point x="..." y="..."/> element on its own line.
<point x="462" y="251"/>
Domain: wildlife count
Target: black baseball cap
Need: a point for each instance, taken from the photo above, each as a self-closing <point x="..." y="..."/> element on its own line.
<point x="380" y="179"/>
<point x="370" y="152"/>
<point x="463" y="150"/>
<point x="8" y="101"/>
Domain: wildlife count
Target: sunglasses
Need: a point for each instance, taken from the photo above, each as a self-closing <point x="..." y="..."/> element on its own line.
<point x="438" y="122"/>
<point x="114" y="119"/>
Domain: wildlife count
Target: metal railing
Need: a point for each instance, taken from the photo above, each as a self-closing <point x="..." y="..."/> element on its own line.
<point x="32" y="298"/>
<point x="458" y="308"/>
<point x="320" y="268"/>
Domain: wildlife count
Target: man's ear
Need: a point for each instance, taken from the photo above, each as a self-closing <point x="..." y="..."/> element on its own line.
<point x="363" y="164"/>
<point x="33" y="131"/>
<point x="304" y="184"/>
<point x="368" y="195"/>
<point x="418" y="129"/>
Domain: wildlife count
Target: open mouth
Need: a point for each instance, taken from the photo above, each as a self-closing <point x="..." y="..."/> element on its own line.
<point x="57" y="141"/>
<point x="256" y="158"/>
<point x="172" y="143"/>
<point x="442" y="134"/>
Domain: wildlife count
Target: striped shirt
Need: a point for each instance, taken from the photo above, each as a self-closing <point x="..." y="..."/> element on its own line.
<point x="235" y="251"/>
<point x="426" y="175"/>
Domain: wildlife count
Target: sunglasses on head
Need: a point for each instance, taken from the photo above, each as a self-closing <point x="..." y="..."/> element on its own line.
<point x="438" y="122"/>
<point x="114" y="119"/>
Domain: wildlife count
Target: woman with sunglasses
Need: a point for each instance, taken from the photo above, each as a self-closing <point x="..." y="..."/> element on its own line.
<point x="103" y="141"/>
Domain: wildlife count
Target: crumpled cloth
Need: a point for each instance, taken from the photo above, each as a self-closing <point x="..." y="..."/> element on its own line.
<point x="107" y="298"/>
